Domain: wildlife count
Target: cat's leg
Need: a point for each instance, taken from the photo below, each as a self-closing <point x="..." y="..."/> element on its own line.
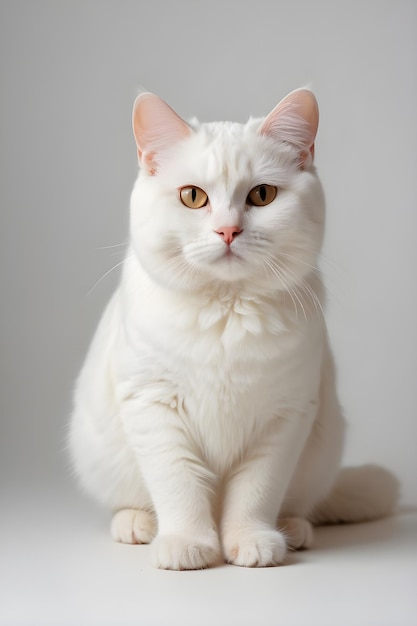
<point x="255" y="491"/>
<point x="179" y="483"/>
<point x="108" y="470"/>
<point x="318" y="466"/>
<point x="133" y="526"/>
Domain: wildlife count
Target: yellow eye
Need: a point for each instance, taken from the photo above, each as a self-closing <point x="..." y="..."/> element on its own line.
<point x="261" y="195"/>
<point x="193" y="197"/>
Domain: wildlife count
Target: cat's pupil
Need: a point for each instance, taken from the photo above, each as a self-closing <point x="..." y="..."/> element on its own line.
<point x="193" y="194"/>
<point x="262" y="193"/>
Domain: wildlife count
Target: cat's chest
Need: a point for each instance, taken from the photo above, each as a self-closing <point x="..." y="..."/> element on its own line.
<point x="221" y="331"/>
<point x="226" y="367"/>
<point x="220" y="350"/>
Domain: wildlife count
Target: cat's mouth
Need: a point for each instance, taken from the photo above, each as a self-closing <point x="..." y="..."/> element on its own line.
<point x="222" y="262"/>
<point x="229" y="255"/>
<point x="230" y="252"/>
<point x="229" y="264"/>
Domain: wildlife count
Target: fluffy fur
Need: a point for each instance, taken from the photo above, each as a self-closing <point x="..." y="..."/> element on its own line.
<point x="206" y="414"/>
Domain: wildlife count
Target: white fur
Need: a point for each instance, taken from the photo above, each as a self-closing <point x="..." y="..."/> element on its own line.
<point x="207" y="401"/>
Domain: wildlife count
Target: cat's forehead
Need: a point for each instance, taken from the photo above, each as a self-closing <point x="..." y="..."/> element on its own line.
<point x="229" y="133"/>
<point x="225" y="152"/>
<point x="221" y="157"/>
<point x="223" y="129"/>
<point x="220" y="153"/>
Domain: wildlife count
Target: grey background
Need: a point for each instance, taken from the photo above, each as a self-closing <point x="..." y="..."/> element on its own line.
<point x="69" y="75"/>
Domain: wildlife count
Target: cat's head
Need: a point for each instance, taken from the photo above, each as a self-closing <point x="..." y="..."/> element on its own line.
<point x="225" y="202"/>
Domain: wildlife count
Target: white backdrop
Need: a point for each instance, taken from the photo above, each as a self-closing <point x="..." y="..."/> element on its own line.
<point x="69" y="75"/>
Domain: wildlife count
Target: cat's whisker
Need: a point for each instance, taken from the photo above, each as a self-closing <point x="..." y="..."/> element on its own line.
<point x="278" y="273"/>
<point x="323" y="260"/>
<point x="291" y="257"/>
<point x="310" y="298"/>
<point x="329" y="263"/>
<point x="307" y="289"/>
<point x="106" y="274"/>
<point x="116" y="245"/>
<point x="184" y="272"/>
<point x="287" y="275"/>
<point x="314" y="297"/>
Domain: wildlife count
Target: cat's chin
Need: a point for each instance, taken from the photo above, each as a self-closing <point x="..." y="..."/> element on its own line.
<point x="230" y="268"/>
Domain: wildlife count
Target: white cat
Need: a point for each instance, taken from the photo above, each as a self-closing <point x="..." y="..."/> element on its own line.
<point x="206" y="413"/>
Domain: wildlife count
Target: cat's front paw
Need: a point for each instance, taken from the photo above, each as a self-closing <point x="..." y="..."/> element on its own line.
<point x="182" y="552"/>
<point x="297" y="531"/>
<point x="133" y="526"/>
<point x="254" y="548"/>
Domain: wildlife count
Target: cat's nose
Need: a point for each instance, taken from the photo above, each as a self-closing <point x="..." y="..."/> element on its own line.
<point x="228" y="233"/>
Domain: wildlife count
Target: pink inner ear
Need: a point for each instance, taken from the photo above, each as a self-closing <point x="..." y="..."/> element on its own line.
<point x="156" y="128"/>
<point x="294" y="120"/>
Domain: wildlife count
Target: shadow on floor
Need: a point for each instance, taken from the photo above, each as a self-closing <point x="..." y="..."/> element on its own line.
<point x="378" y="531"/>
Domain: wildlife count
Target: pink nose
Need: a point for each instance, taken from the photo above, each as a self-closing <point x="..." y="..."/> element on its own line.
<point x="228" y="233"/>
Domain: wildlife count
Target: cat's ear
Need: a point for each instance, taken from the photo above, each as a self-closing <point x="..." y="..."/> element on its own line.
<point x="156" y="128"/>
<point x="295" y="121"/>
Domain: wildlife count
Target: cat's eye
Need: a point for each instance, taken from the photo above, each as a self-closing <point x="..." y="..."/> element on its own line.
<point x="193" y="197"/>
<point x="261" y="195"/>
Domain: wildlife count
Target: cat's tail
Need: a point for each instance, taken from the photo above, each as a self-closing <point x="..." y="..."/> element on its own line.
<point x="359" y="494"/>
